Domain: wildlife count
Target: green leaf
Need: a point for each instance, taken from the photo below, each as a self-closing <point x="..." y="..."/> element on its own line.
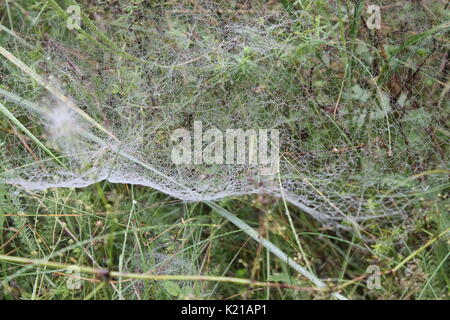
<point x="172" y="288"/>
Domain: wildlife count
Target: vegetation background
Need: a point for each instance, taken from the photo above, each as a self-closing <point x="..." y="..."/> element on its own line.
<point x="131" y="242"/>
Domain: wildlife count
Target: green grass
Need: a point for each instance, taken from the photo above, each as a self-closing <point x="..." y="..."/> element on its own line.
<point x="132" y="242"/>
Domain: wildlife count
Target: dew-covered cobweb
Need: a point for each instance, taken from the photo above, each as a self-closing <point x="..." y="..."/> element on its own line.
<point x="139" y="81"/>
